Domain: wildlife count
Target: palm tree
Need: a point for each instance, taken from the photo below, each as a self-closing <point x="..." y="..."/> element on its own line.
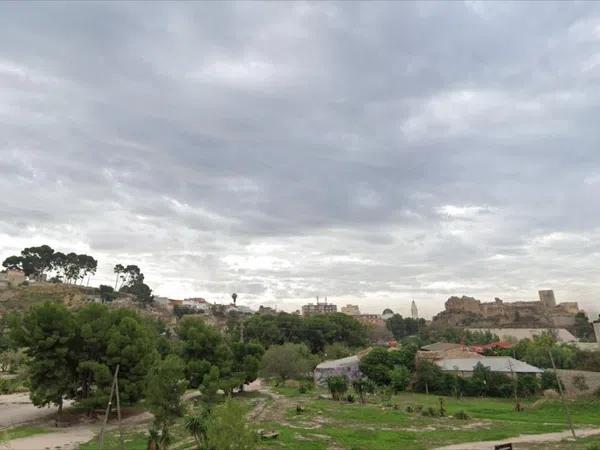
<point x="234" y="297"/>
<point x="195" y="425"/>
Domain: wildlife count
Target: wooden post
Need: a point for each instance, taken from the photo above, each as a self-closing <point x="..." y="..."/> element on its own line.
<point x="119" y="414"/>
<point x="562" y="396"/>
<point x="112" y="391"/>
<point x="515" y="386"/>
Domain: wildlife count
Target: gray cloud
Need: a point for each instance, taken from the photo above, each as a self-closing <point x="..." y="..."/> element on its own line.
<point x="372" y="153"/>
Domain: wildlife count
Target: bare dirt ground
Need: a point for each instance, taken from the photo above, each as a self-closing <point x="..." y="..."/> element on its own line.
<point x="523" y="439"/>
<point x="62" y="438"/>
<point x="268" y="411"/>
<point x="16" y="409"/>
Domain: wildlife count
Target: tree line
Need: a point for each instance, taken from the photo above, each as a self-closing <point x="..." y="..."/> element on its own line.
<point x="72" y="268"/>
<point x="36" y="262"/>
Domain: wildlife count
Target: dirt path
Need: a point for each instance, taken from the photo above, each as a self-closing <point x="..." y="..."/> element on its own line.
<point x="16" y="409"/>
<point x="62" y="438"/>
<point x="523" y="439"/>
<point x="265" y="411"/>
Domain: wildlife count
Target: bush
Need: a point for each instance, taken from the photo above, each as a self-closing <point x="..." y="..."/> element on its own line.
<point x="399" y="378"/>
<point x="430" y="411"/>
<point x="528" y="385"/>
<point x="462" y="415"/>
<point x="362" y="387"/>
<point x="549" y="380"/>
<point x="350" y="398"/>
<point x="338" y="386"/>
<point x="306" y="386"/>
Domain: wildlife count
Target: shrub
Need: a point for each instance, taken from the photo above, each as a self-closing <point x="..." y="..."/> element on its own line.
<point x="350" y="398"/>
<point x="462" y="415"/>
<point x="338" y="386"/>
<point x="430" y="411"/>
<point x="362" y="387"/>
<point x="399" y="378"/>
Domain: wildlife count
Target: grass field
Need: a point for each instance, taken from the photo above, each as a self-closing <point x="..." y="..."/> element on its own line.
<point x="385" y="424"/>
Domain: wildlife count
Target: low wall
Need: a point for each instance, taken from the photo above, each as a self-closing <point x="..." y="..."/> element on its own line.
<point x="592" y="379"/>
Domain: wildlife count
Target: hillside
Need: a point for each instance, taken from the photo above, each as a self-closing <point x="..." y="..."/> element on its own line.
<point x="24" y="297"/>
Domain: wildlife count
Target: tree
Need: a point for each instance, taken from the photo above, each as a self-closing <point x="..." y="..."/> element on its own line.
<point x="210" y="385"/>
<point x="107" y="293"/>
<point x="338" y="386"/>
<point x="13" y="263"/>
<point x="49" y="331"/>
<point x="400" y="378"/>
<point x="140" y="290"/>
<point x="428" y="376"/>
<point x="165" y="386"/>
<point x="226" y="428"/>
<point x="131" y="344"/>
<point x="287" y="361"/>
<point x="234" y="297"/>
<point x="119" y="269"/>
<point x="337" y="350"/>
<point x="376" y="365"/>
<point x="246" y="361"/>
<point x="202" y="346"/>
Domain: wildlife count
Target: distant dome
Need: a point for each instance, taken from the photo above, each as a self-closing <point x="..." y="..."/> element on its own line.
<point x="387" y="311"/>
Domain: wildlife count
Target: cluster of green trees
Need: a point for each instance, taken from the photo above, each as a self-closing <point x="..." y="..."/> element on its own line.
<point x="401" y="327"/>
<point x="390" y="368"/>
<point x="131" y="281"/>
<point x="39" y="261"/>
<point x="72" y="354"/>
<point x="429" y="378"/>
<point x="316" y="332"/>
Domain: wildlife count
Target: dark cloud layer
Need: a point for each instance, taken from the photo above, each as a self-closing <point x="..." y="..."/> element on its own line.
<point x="370" y="152"/>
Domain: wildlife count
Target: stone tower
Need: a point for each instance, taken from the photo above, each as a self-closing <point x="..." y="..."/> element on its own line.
<point x="547" y="298"/>
<point x="413" y="310"/>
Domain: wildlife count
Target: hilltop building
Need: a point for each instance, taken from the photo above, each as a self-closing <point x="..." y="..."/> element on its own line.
<point x="312" y="309"/>
<point x="460" y="311"/>
<point x="350" y="310"/>
<point x="371" y="319"/>
<point x="11" y="278"/>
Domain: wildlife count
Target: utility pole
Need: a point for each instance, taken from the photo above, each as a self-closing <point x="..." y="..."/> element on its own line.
<point x="562" y="395"/>
<point x="515" y="385"/>
<point x="115" y="386"/>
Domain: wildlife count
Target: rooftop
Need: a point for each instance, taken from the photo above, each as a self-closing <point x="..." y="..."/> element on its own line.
<point x="441" y="347"/>
<point x="504" y="364"/>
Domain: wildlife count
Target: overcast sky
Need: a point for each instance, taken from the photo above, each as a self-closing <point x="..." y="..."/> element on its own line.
<point x="367" y="152"/>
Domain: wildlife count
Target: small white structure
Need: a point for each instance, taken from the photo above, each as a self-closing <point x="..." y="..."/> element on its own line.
<point x="344" y="366"/>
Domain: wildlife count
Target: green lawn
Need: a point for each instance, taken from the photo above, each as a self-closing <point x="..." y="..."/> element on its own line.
<point x="385" y="424"/>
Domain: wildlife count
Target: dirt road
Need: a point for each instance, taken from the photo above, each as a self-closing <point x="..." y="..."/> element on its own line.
<point x="523" y="439"/>
<point x="16" y="409"/>
<point x="62" y="438"/>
